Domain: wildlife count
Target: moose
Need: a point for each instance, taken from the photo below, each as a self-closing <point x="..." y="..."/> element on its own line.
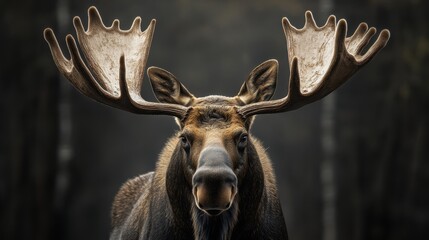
<point x="213" y="179"/>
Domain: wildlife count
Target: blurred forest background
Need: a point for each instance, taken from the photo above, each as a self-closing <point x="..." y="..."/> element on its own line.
<point x="354" y="166"/>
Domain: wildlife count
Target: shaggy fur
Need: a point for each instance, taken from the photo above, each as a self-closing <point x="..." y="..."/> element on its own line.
<point x="160" y="205"/>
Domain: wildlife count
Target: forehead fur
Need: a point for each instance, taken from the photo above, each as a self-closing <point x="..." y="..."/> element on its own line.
<point x="217" y="100"/>
<point x="213" y="116"/>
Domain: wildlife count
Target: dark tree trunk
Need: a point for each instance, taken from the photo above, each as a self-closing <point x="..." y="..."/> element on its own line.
<point x="28" y="122"/>
<point x="383" y="162"/>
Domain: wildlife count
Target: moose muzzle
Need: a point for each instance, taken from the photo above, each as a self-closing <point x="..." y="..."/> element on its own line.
<point x="214" y="182"/>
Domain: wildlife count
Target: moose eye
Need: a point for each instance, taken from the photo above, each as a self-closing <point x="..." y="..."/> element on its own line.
<point x="185" y="143"/>
<point x="242" y="143"/>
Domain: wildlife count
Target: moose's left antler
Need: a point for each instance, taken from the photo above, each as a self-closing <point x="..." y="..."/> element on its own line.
<point x="321" y="59"/>
<point x="116" y="63"/>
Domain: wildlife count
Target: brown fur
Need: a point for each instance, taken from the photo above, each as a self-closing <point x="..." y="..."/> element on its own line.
<point x="161" y="204"/>
<point x="131" y="205"/>
<point x="129" y="193"/>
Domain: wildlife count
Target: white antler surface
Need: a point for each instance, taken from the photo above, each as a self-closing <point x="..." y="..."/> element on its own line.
<point x="313" y="47"/>
<point x="321" y="59"/>
<point x="103" y="48"/>
<point x="115" y="64"/>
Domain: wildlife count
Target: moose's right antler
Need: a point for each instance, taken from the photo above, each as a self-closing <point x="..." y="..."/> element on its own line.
<point x="321" y="59"/>
<point x="117" y="59"/>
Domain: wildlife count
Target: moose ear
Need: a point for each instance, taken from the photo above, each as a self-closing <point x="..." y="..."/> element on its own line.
<point x="261" y="83"/>
<point x="167" y="88"/>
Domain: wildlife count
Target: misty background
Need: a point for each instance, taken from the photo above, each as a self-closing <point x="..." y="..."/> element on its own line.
<point x="354" y="166"/>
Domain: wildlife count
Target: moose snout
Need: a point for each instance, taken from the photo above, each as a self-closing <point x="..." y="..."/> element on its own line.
<point x="214" y="189"/>
<point x="214" y="182"/>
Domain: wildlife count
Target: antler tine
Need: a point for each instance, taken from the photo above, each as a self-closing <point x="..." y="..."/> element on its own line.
<point x="321" y="60"/>
<point x="116" y="61"/>
<point x="68" y="67"/>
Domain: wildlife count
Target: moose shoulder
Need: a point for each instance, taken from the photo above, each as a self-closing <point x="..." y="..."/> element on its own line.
<point x="213" y="179"/>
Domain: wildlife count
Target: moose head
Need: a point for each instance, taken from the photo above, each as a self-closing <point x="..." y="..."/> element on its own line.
<point x="213" y="179"/>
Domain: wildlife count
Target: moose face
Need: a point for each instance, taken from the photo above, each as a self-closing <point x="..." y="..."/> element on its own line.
<point x="213" y="142"/>
<point x="214" y="136"/>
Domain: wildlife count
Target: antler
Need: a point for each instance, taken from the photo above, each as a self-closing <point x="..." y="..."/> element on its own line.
<point x="321" y="59"/>
<point x="117" y="60"/>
